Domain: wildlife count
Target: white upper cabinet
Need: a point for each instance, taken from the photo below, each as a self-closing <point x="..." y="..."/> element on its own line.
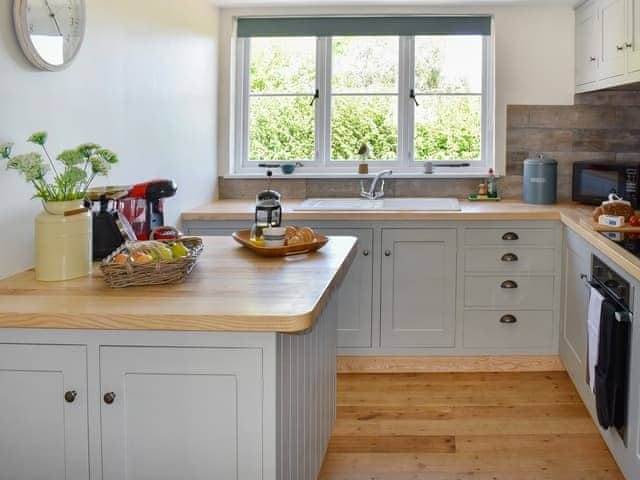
<point x="588" y="36"/>
<point x="614" y="30"/>
<point x="607" y="44"/>
<point x="633" y="36"/>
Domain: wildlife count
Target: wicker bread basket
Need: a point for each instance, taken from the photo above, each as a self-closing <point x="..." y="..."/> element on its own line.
<point x="158" y="272"/>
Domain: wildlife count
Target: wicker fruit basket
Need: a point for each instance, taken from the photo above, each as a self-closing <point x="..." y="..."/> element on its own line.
<point x="160" y="271"/>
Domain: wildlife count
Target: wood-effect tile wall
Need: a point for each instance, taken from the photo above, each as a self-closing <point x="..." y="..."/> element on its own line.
<point x="600" y="126"/>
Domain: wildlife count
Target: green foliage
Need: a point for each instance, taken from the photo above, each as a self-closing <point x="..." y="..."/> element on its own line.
<point x="282" y="128"/>
<point x="75" y="178"/>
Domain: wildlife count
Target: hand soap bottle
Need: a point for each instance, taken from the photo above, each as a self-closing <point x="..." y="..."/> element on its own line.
<point x="492" y="185"/>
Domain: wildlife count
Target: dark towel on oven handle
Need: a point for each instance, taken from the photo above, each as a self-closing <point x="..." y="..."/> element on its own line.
<point x="612" y="376"/>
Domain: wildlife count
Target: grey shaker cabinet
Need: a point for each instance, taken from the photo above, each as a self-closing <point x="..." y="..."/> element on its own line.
<point x="573" y="329"/>
<point x="179" y="410"/>
<point x="355" y="297"/>
<point x="43" y="412"/>
<point x="418" y="294"/>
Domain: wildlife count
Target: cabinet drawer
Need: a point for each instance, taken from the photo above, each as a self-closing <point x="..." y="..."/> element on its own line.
<point x="484" y="329"/>
<point x="504" y="259"/>
<point x="509" y="236"/>
<point x="491" y="291"/>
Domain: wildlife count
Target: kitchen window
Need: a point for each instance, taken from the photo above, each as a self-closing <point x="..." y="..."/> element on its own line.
<point x="414" y="89"/>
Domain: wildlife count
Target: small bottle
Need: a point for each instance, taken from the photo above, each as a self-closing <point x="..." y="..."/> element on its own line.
<point x="492" y="186"/>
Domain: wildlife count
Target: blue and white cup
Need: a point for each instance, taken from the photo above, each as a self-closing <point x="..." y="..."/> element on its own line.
<point x="274" y="236"/>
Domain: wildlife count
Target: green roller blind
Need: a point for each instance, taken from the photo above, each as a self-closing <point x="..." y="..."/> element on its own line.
<point x="338" y="26"/>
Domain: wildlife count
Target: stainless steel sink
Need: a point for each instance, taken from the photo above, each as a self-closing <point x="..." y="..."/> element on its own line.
<point x="400" y="204"/>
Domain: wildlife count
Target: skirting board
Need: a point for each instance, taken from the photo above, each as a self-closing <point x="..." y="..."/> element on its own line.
<point x="392" y="364"/>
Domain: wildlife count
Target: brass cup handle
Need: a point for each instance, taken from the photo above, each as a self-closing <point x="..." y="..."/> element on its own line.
<point x="387" y="253"/>
<point x="365" y="253"/>
<point x="510" y="236"/>
<point x="109" y="398"/>
<point x="509" y="257"/>
<point x="70" y="396"/>
<point x="509" y="284"/>
<point x="508" y="319"/>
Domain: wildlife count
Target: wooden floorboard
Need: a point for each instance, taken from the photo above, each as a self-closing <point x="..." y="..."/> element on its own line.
<point x="462" y="426"/>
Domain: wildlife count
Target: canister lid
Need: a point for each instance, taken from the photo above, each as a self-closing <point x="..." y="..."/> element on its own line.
<point x="540" y="160"/>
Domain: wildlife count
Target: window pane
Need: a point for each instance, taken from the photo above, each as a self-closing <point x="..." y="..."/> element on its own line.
<point x="280" y="128"/>
<point x="364" y="119"/>
<point x="448" y="64"/>
<point x="283" y="65"/>
<point x="365" y="65"/>
<point x="448" y="128"/>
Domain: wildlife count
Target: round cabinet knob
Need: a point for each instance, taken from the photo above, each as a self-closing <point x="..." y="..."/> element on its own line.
<point x="510" y="236"/>
<point x="619" y="47"/>
<point x="387" y="253"/>
<point x="592" y="59"/>
<point x="508" y="284"/>
<point x="508" y="319"/>
<point x="109" y="398"/>
<point x="509" y="257"/>
<point x="629" y="45"/>
<point x="365" y="253"/>
<point x="70" y="396"/>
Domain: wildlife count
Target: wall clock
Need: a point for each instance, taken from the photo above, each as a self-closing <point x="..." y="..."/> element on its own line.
<point x="50" y="32"/>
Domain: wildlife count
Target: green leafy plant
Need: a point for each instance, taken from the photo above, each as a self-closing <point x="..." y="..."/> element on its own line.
<point x="76" y="169"/>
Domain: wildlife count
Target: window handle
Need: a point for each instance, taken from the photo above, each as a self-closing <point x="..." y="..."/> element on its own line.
<point x="412" y="96"/>
<point x="316" y="96"/>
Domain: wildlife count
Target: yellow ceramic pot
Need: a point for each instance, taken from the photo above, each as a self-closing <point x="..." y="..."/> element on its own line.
<point x="63" y="243"/>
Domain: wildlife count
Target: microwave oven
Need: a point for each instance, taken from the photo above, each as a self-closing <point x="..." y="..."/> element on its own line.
<point x="594" y="181"/>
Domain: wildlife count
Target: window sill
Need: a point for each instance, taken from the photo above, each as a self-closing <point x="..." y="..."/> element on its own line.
<point x="355" y="176"/>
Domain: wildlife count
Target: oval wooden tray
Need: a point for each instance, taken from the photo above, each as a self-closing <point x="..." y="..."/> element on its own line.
<point x="242" y="237"/>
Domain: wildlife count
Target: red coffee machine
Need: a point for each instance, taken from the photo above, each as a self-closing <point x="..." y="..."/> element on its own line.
<point x="144" y="206"/>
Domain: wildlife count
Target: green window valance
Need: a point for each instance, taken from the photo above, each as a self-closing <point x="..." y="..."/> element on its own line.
<point x="372" y="25"/>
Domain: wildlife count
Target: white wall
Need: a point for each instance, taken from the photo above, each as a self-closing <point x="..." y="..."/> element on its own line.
<point x="534" y="52"/>
<point x="144" y="85"/>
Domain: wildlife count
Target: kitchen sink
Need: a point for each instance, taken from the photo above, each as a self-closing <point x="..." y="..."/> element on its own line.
<point x="412" y="204"/>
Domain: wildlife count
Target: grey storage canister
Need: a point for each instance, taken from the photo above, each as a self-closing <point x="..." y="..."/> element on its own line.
<point x="540" y="182"/>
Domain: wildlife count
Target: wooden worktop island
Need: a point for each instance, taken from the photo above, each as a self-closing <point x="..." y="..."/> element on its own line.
<point x="228" y="375"/>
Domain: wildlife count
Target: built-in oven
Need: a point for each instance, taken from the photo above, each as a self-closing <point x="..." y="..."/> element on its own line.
<point x="594" y="181"/>
<point x="618" y="292"/>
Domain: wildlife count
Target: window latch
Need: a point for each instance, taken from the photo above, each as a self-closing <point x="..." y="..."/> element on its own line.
<point x="412" y="96"/>
<point x="316" y="96"/>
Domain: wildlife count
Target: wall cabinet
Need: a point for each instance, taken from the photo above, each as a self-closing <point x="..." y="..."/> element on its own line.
<point x="607" y="44"/>
<point x="43" y="412"/>
<point x="418" y="287"/>
<point x="588" y="35"/>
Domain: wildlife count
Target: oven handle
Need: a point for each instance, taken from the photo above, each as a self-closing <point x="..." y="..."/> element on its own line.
<point x="622" y="315"/>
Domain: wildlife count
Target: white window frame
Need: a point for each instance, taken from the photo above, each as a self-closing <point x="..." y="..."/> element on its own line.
<point x="321" y="163"/>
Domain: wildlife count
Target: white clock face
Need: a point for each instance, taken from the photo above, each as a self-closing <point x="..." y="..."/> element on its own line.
<point x="52" y="30"/>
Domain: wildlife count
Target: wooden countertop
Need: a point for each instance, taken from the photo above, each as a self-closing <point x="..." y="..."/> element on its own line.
<point x="570" y="214"/>
<point x="231" y="289"/>
<point x="504" y="210"/>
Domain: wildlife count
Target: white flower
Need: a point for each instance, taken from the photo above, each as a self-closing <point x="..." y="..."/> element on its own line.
<point x="99" y="165"/>
<point x="30" y="165"/>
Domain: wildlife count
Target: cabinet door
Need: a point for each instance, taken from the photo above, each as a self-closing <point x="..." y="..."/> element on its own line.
<point x="355" y="296"/>
<point x="587" y="42"/>
<point x="191" y="413"/>
<point x="43" y="436"/>
<point x="632" y="43"/>
<point x="614" y="27"/>
<point x="576" y="304"/>
<point x="418" y="287"/>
